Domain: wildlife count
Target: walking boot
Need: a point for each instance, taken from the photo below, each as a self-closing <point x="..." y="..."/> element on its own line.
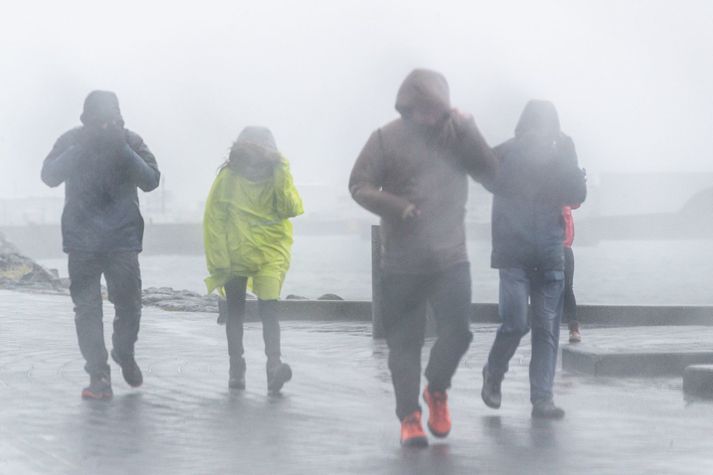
<point x="237" y="374"/>
<point x="129" y="369"/>
<point x="99" y="387"/>
<point x="439" y="418"/>
<point x="278" y="373"/>
<point x="547" y="410"/>
<point x="412" y="434"/>
<point x="491" y="392"/>
<point x="574" y="334"/>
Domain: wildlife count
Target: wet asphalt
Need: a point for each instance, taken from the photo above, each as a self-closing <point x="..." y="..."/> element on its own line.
<point x="335" y="417"/>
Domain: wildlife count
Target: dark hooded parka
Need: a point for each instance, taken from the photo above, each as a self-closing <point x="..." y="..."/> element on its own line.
<point x="537" y="175"/>
<point x="101" y="164"/>
<point x="405" y="163"/>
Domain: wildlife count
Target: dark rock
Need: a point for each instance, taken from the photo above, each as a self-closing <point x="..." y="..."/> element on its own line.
<point x="167" y="298"/>
<point x="19" y="272"/>
<point x="295" y="297"/>
<point x="330" y="297"/>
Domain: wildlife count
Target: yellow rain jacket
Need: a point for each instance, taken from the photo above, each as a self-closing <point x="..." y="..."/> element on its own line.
<point x="246" y="231"/>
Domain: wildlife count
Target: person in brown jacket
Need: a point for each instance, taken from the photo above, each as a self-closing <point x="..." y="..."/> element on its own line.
<point x="413" y="174"/>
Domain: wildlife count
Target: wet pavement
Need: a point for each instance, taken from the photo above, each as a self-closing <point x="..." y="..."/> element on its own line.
<point x="336" y="416"/>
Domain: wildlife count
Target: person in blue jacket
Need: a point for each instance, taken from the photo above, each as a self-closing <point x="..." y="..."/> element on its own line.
<point x="537" y="175"/>
<point x="102" y="164"/>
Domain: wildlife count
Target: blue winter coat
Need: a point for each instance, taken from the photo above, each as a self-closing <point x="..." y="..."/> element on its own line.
<point x="535" y="179"/>
<point x="101" y="212"/>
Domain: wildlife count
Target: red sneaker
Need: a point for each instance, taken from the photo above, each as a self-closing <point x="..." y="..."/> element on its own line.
<point x="99" y="388"/>
<point x="412" y="434"/>
<point x="439" y="418"/>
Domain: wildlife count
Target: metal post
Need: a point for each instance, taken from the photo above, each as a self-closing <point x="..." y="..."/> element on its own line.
<point x="377" y="327"/>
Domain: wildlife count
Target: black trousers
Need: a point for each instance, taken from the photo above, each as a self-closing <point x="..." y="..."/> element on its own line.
<point x="570" y="302"/>
<point x="123" y="280"/>
<point x="404" y="317"/>
<point x="235" y="296"/>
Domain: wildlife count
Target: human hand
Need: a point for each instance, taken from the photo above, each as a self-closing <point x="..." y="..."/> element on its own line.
<point x="461" y="115"/>
<point x="410" y="212"/>
<point x="113" y="135"/>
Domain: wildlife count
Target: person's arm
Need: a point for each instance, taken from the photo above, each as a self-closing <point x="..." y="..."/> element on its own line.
<point x="495" y="182"/>
<point x="288" y="202"/>
<point x="475" y="153"/>
<point x="62" y="160"/>
<point x="142" y="163"/>
<point x="215" y="231"/>
<point x="366" y="181"/>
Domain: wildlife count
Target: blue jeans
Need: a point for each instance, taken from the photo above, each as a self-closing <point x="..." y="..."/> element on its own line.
<point x="545" y="291"/>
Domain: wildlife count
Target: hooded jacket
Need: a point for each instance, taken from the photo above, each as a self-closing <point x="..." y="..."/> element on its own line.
<point x="537" y="176"/>
<point x="404" y="163"/>
<point x="246" y="230"/>
<point x="101" y="169"/>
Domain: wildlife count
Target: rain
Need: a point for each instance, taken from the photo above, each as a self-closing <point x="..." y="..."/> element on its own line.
<point x="208" y="87"/>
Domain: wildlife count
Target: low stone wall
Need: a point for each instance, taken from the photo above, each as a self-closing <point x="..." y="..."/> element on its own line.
<point x="18" y="272"/>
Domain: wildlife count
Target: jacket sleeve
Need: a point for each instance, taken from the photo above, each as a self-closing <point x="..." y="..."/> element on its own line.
<point x="142" y="163"/>
<point x="567" y="181"/>
<point x="475" y="153"/>
<point x="62" y="160"/>
<point x="493" y="181"/>
<point x="215" y="233"/>
<point x="366" y="180"/>
<point x="288" y="202"/>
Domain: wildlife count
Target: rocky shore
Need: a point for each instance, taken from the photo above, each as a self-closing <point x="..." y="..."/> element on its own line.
<point x="21" y="273"/>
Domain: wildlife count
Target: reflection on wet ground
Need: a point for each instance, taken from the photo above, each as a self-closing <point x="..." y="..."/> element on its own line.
<point x="336" y="416"/>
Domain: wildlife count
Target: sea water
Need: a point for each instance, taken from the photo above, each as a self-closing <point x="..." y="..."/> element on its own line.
<point x="612" y="272"/>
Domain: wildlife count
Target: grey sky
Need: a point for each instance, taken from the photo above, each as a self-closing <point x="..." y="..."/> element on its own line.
<point x="633" y="80"/>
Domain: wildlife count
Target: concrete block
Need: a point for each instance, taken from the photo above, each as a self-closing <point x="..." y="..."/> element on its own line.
<point x="698" y="381"/>
<point x="631" y="363"/>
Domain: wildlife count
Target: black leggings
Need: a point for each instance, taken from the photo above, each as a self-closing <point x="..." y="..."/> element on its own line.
<point x="235" y="296"/>
<point x="570" y="302"/>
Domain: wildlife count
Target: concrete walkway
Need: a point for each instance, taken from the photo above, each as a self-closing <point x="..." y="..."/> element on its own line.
<point x="336" y="416"/>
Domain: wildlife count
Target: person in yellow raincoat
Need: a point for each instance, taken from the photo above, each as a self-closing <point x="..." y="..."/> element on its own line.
<point x="248" y="238"/>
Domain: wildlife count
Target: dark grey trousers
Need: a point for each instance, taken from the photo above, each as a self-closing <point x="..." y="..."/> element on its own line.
<point x="405" y="298"/>
<point x="570" y="301"/>
<point x="123" y="279"/>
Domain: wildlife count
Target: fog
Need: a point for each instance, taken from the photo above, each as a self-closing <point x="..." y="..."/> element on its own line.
<point x="633" y="83"/>
<point x="632" y="80"/>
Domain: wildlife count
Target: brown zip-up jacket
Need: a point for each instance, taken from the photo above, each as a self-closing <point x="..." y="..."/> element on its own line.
<point x="404" y="163"/>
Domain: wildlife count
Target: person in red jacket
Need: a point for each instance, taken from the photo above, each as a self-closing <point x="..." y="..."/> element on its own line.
<point x="570" y="302"/>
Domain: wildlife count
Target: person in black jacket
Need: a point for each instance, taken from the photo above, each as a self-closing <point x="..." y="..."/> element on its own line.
<point x="537" y="175"/>
<point x="101" y="164"/>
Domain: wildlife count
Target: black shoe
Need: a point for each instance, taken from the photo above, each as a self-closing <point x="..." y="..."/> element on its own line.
<point x="277" y="375"/>
<point x="547" y="410"/>
<point x="491" y="392"/>
<point x="129" y="369"/>
<point x="237" y="374"/>
<point x="99" y="388"/>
